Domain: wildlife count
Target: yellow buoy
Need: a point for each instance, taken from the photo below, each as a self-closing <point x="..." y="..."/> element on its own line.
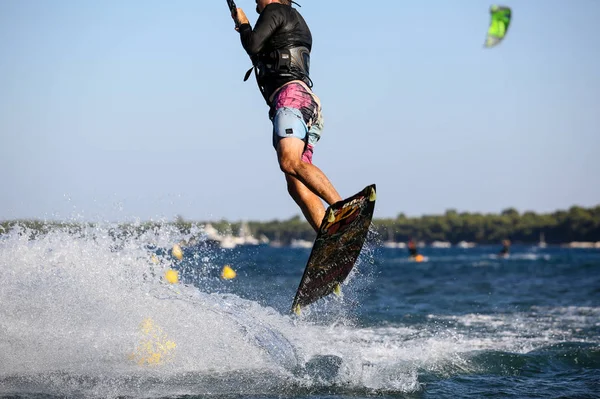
<point x="155" y="348"/>
<point x="228" y="273"/>
<point x="177" y="252"/>
<point x="172" y="276"/>
<point x="419" y="258"/>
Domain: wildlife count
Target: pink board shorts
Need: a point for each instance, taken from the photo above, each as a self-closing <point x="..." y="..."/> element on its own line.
<point x="297" y="113"/>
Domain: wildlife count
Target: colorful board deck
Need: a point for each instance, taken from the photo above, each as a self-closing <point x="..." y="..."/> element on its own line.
<point x="337" y="246"/>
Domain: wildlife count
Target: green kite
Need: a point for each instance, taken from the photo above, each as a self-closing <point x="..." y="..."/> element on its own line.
<point x="498" y="26"/>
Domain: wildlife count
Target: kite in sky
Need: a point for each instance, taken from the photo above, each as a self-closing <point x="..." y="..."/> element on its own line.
<point x="498" y="26"/>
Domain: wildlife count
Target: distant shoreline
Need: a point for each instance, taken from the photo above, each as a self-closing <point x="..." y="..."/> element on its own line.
<point x="577" y="225"/>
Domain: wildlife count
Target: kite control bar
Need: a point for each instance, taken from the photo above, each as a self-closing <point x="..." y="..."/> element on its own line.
<point x="233" y="9"/>
<point x="232" y="6"/>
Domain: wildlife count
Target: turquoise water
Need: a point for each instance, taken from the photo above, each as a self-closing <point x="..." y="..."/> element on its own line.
<point x="83" y="314"/>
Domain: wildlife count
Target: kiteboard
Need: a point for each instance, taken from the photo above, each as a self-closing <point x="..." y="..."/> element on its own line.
<point x="339" y="241"/>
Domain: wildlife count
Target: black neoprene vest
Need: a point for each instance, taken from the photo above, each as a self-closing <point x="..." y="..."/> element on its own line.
<point x="279" y="46"/>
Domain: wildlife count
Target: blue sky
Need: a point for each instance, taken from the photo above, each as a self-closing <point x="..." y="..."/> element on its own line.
<point x="121" y="110"/>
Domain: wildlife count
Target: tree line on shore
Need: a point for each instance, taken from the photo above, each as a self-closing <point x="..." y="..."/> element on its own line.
<point x="574" y="224"/>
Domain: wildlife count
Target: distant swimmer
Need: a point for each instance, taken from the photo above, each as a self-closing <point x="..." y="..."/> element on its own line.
<point x="412" y="249"/>
<point x="413" y="253"/>
<point x="505" y="251"/>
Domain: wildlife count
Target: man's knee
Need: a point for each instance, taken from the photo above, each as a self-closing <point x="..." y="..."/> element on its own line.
<point x="288" y="166"/>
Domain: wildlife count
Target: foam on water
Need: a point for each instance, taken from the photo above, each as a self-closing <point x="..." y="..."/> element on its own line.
<point x="77" y="303"/>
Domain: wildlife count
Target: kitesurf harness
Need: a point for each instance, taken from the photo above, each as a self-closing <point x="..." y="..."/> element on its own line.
<point x="279" y="67"/>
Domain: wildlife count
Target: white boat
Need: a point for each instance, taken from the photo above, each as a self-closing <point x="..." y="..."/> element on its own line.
<point x="229" y="241"/>
<point x="390" y="243"/>
<point x="393" y="244"/>
<point x="299" y="243"/>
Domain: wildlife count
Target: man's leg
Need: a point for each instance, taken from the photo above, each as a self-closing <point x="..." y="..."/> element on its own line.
<point x="310" y="204"/>
<point x="289" y="153"/>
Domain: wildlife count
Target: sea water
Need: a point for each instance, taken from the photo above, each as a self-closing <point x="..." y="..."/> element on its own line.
<point x="88" y="313"/>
